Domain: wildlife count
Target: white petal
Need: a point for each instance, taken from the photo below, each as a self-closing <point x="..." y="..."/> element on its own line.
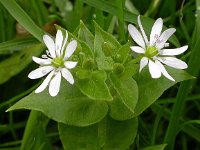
<point x="136" y="35"/>
<point x="137" y="49"/>
<point x="175" y="51"/>
<point x="142" y="30"/>
<point x="59" y="40"/>
<point x="173" y="62"/>
<point x="54" y="85"/>
<point x="143" y="63"/>
<point x="156" y="30"/>
<point x="70" y="64"/>
<point x="49" y="42"/>
<point x="67" y="75"/>
<point x="40" y="72"/>
<point x="41" y="61"/>
<point x="64" y="43"/>
<point x="154" y="70"/>
<point x="163" y="70"/>
<point x="71" y="47"/>
<point x="165" y="36"/>
<point x="44" y="83"/>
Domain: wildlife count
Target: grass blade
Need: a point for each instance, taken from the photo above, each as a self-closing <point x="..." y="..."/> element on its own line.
<point x="19" y="14"/>
<point x="185" y="87"/>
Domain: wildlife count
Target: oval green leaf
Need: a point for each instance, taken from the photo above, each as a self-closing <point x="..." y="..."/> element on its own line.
<point x="122" y="107"/>
<point x="108" y="134"/>
<point x="95" y="86"/>
<point x="69" y="106"/>
<point x="151" y="89"/>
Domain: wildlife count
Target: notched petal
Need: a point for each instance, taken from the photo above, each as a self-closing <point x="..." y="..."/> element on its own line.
<point x="41" y="61"/>
<point x="67" y="75"/>
<point x="137" y="49"/>
<point x="54" y="86"/>
<point x="70" y="64"/>
<point x="154" y="70"/>
<point x="71" y="47"/>
<point x="173" y="62"/>
<point x="175" y="51"/>
<point x="136" y="35"/>
<point x="40" y="72"/>
<point x="49" y="42"/>
<point x="44" y="83"/>
<point x="143" y="63"/>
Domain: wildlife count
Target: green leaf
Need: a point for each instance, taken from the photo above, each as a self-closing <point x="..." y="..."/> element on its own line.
<point x="151" y="89"/>
<point x="85" y="35"/>
<point x="110" y="8"/>
<point x="16" y="63"/>
<point x="95" y="86"/>
<point x="130" y="69"/>
<point x="123" y="53"/>
<point x="69" y="106"/>
<point x="108" y="134"/>
<point x="118" y="110"/>
<point x="82" y="50"/>
<point x="17" y="45"/>
<point x="156" y="147"/>
<point x="35" y="138"/>
<point x="106" y="36"/>
<point x="105" y="46"/>
<point x="128" y="95"/>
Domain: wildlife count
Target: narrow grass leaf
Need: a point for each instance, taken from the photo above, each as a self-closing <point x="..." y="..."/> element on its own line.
<point x="36" y="138"/>
<point x="17" y="62"/>
<point x="20" y="15"/>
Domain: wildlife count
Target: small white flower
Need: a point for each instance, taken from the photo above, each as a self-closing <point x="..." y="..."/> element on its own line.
<point x="153" y="51"/>
<point x="55" y="63"/>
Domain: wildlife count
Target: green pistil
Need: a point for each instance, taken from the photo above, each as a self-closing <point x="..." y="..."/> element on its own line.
<point x="151" y="51"/>
<point x="57" y="62"/>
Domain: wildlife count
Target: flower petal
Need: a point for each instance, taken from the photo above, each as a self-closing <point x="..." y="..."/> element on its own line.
<point x="164" y="37"/>
<point x="40" y="72"/>
<point x="156" y="31"/>
<point x="175" y="51"/>
<point x="64" y="43"/>
<point x="142" y="30"/>
<point x="137" y="49"/>
<point x="173" y="62"/>
<point x="67" y="75"/>
<point x="70" y="64"/>
<point x="59" y="40"/>
<point x="45" y="83"/>
<point x="163" y="70"/>
<point x="49" y="42"/>
<point x="136" y="35"/>
<point x="71" y="47"/>
<point x="54" y="85"/>
<point x="143" y="63"/>
<point x="41" y="61"/>
<point x="154" y="69"/>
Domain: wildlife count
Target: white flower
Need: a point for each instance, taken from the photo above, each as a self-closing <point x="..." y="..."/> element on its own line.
<point x="153" y="51"/>
<point x="55" y="63"/>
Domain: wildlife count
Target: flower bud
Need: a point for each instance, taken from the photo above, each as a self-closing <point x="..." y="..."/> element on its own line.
<point x="118" y="68"/>
<point x="108" y="49"/>
<point x="83" y="74"/>
<point x="89" y="64"/>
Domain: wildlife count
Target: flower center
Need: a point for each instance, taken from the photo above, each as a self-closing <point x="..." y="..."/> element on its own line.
<point x="57" y="62"/>
<point x="151" y="51"/>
